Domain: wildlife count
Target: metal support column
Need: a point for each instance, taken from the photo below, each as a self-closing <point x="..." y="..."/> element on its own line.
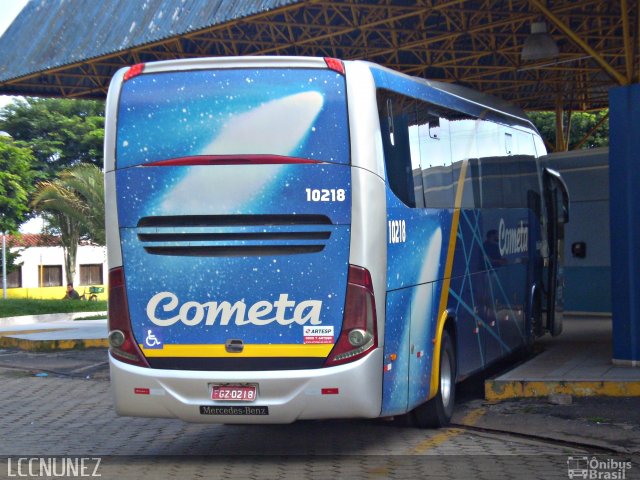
<point x="624" y="178"/>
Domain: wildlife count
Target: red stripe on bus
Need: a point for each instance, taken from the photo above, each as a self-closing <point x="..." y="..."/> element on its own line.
<point x="229" y="160"/>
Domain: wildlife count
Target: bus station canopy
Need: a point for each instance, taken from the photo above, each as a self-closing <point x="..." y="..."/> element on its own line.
<point x="71" y="48"/>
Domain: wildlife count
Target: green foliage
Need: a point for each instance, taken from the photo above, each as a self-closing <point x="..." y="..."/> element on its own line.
<point x="73" y="205"/>
<point x="581" y="124"/>
<point x="12" y="257"/>
<point x="77" y="193"/>
<point x="86" y="181"/>
<point x="16" y="179"/>
<point x="56" y="202"/>
<point x="16" y="307"/>
<point x="60" y="132"/>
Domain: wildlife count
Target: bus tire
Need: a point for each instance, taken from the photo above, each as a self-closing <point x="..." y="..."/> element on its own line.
<point x="437" y="412"/>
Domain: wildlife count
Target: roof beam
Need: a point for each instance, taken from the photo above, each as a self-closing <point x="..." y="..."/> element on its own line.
<point x="626" y="35"/>
<point x="612" y="72"/>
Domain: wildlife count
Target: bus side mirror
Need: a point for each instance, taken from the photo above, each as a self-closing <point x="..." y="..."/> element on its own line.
<point x="562" y="195"/>
<point x="579" y="249"/>
<point x="563" y="215"/>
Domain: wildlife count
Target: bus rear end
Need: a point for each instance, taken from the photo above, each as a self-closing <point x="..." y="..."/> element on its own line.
<point x="232" y="298"/>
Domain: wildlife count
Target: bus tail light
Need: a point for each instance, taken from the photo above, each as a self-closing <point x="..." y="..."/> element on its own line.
<point x="359" y="331"/>
<point x="335" y="65"/>
<point x="122" y="344"/>
<point x="133" y="71"/>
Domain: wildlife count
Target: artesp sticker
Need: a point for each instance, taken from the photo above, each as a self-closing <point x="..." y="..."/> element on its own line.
<point x="318" y="334"/>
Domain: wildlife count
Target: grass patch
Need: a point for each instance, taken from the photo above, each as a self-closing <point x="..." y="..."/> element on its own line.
<point x="15" y="307"/>
<point x="92" y="317"/>
<point x="598" y="420"/>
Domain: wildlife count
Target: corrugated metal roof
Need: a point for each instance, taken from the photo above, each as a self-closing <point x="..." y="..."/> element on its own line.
<point x="52" y="33"/>
<point x="72" y="48"/>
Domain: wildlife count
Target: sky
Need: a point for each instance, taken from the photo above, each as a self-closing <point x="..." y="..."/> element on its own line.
<point x="9" y="9"/>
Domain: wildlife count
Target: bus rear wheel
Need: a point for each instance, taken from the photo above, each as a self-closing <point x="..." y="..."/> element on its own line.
<point x="437" y="412"/>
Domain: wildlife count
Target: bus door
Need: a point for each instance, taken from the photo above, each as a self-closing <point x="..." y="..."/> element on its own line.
<point x="557" y="209"/>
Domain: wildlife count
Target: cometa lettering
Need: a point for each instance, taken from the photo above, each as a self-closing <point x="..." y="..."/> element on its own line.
<point x="164" y="310"/>
<point x="513" y="240"/>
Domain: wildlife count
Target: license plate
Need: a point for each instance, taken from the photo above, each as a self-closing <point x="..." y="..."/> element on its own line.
<point x="234" y="393"/>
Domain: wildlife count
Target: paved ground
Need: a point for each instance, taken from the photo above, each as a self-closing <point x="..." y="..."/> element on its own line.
<point x="578" y="362"/>
<point x="59" y="330"/>
<point x="69" y="412"/>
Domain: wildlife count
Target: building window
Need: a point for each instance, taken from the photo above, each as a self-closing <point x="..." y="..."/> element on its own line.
<point x="91" y="274"/>
<point x="14" y="279"/>
<point x="50" y="275"/>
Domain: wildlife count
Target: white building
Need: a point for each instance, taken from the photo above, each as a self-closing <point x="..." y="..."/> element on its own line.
<point x="42" y="265"/>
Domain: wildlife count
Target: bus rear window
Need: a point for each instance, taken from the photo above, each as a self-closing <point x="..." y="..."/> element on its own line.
<point x="269" y="111"/>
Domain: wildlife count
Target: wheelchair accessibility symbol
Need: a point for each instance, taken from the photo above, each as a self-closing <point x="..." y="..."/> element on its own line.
<point x="152" y="340"/>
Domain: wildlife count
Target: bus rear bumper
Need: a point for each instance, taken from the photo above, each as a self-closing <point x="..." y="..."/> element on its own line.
<point x="353" y="390"/>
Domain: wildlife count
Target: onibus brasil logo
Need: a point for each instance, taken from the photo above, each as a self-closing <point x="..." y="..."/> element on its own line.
<point x="597" y="468"/>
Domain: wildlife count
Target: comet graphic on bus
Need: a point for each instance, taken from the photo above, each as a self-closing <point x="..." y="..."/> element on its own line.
<point x="266" y="136"/>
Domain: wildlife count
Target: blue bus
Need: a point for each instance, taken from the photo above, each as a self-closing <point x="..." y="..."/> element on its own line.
<point x="308" y="238"/>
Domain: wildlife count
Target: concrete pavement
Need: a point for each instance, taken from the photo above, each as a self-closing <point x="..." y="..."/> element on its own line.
<point x="69" y="412"/>
<point x="54" y="331"/>
<point x="576" y="363"/>
<point x="69" y="415"/>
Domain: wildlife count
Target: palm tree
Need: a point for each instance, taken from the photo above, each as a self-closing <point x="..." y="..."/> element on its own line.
<point x="74" y="204"/>
<point x="56" y="203"/>
<point x="87" y="182"/>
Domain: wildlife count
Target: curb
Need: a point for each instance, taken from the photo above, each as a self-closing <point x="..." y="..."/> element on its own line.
<point x="52" y="345"/>
<point x="45" y="318"/>
<point x="496" y="390"/>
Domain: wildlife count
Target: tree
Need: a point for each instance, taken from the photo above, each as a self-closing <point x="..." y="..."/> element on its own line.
<point x="56" y="202"/>
<point x="581" y="124"/>
<point x="73" y="205"/>
<point x="12" y="254"/>
<point x="86" y="181"/>
<point x="16" y="181"/>
<point x="60" y="132"/>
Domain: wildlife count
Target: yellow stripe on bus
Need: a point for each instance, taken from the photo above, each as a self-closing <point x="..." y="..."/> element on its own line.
<point x="205" y="351"/>
<point x="444" y="295"/>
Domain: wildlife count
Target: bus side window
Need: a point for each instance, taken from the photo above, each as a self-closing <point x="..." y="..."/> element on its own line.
<point x="399" y="130"/>
<point x="435" y="157"/>
<point x="492" y="181"/>
<point x="526" y="144"/>
<point x="508" y="143"/>
<point x="519" y="170"/>
<point x="467" y="146"/>
<point x="414" y="146"/>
